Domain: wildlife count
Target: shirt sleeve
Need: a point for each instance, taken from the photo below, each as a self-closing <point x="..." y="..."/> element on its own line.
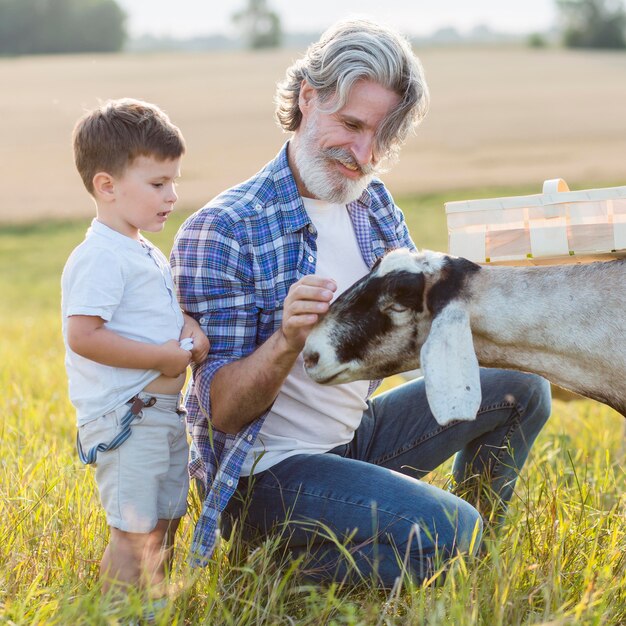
<point x="213" y="272"/>
<point x="95" y="284"/>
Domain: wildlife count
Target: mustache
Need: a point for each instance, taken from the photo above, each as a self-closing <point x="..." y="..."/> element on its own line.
<point x="345" y="157"/>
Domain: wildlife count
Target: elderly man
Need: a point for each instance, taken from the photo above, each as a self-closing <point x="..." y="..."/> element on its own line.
<point x="335" y="469"/>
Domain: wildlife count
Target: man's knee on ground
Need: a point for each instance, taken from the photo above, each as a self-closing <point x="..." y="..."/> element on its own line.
<point x="460" y="533"/>
<point x="539" y="397"/>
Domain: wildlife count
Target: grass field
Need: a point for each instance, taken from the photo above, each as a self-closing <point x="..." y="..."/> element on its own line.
<point x="561" y="558"/>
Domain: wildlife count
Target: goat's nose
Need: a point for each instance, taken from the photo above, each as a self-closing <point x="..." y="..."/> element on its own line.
<point x="311" y="359"/>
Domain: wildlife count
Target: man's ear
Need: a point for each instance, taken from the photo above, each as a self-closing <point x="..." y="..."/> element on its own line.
<point x="306" y="96"/>
<point x="450" y="367"/>
<point x="104" y="186"/>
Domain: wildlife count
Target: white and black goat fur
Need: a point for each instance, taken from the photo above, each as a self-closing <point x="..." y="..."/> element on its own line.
<point x="446" y="314"/>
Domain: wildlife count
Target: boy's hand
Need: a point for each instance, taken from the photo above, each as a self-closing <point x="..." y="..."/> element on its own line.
<point x="201" y="343"/>
<point x="174" y="360"/>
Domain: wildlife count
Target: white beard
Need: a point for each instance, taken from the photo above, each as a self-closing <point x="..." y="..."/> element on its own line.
<point x="320" y="177"/>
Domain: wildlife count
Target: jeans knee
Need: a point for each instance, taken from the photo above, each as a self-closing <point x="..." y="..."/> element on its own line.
<point x="540" y="400"/>
<point x="469" y="529"/>
<point x="458" y="531"/>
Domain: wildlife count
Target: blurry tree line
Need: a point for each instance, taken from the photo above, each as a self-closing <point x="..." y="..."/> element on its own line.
<point x="60" y="26"/>
<point x="593" y="23"/>
<point x="259" y="25"/>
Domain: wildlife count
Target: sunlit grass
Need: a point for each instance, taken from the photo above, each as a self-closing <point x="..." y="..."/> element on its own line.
<point x="560" y="558"/>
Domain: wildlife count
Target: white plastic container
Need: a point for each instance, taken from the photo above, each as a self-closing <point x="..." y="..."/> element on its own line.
<point x="556" y="226"/>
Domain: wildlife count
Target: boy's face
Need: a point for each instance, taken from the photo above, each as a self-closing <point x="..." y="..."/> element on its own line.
<point x="142" y="197"/>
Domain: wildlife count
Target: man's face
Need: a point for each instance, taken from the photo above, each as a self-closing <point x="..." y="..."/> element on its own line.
<point x="334" y="153"/>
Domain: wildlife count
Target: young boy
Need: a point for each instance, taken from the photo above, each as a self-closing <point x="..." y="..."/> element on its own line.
<point x="123" y="331"/>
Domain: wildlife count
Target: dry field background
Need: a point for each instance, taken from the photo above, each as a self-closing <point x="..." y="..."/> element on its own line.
<point x="499" y="117"/>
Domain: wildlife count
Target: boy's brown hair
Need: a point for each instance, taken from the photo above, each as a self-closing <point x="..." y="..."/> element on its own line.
<point x="110" y="137"/>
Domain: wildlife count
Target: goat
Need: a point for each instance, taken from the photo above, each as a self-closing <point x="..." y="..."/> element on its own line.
<point x="446" y="314"/>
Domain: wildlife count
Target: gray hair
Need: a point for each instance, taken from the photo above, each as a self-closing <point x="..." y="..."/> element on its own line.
<point x="353" y="50"/>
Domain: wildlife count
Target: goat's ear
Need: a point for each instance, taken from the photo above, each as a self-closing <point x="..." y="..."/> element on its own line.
<point x="450" y="367"/>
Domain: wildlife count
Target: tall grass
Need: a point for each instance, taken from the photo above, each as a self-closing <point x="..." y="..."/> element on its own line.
<point x="560" y="558"/>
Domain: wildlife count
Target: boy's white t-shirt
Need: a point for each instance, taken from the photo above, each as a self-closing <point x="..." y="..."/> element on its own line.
<point x="129" y="285"/>
<point x="308" y="418"/>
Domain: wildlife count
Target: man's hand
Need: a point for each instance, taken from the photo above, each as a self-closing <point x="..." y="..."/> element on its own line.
<point x="306" y="301"/>
<point x="244" y="389"/>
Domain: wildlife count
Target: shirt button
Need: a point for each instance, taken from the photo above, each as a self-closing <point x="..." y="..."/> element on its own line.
<point x="249" y="437"/>
<point x="230" y="482"/>
<point x="311" y="259"/>
<point x="202" y="320"/>
<point x="311" y="229"/>
<point x="259" y="207"/>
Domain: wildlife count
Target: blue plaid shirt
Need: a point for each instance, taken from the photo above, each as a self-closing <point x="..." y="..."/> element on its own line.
<point x="233" y="262"/>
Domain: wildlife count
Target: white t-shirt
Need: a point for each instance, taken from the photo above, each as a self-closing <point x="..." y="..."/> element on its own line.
<point x="129" y="285"/>
<point x="308" y="418"/>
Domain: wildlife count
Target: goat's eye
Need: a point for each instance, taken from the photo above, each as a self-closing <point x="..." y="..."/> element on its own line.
<point x="396" y="307"/>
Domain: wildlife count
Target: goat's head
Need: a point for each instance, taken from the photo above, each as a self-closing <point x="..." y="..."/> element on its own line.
<point x="406" y="313"/>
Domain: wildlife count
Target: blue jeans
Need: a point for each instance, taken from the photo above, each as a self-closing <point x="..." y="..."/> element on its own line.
<point x="360" y="510"/>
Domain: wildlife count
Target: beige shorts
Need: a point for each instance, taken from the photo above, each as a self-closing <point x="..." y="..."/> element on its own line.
<point x="145" y="479"/>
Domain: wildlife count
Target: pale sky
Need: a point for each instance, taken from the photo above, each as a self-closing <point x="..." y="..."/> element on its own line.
<point x="184" y="18"/>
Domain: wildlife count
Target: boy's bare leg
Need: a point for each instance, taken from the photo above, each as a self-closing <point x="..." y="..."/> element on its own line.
<point x="139" y="559"/>
<point x="157" y="557"/>
<point x="121" y="563"/>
